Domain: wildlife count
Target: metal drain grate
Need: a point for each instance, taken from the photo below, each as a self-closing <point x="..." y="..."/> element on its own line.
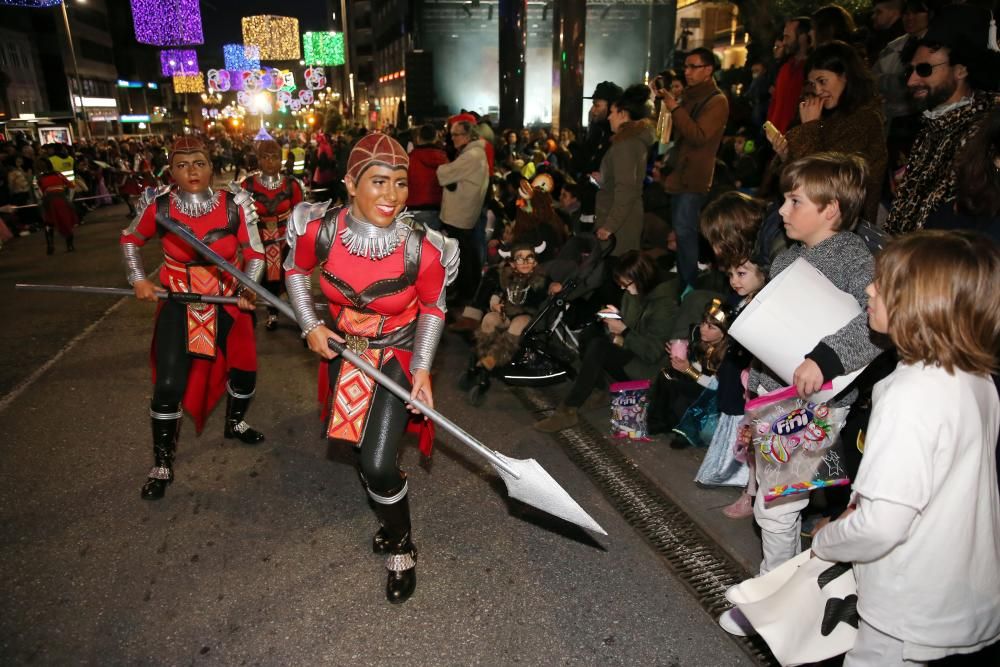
<point x="690" y="553"/>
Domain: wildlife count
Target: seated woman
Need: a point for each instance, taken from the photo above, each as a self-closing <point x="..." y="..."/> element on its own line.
<point x="630" y="344"/>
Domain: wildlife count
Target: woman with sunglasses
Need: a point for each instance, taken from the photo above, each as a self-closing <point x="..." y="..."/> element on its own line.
<point x="842" y="113"/>
<point x="628" y="344"/>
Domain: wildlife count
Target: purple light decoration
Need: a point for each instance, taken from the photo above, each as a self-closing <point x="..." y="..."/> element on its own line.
<point x="240" y="56"/>
<point x="178" y="61"/>
<point x="31" y="3"/>
<point x="167" y="22"/>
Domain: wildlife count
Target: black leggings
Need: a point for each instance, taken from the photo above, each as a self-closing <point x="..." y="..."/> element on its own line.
<point x="599" y="356"/>
<point x="173" y="362"/>
<point x="387" y="419"/>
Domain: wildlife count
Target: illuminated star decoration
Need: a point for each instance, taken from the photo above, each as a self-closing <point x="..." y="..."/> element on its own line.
<point x="277" y="37"/>
<point x="167" y="22"/>
<point x="189" y="83"/>
<point x="241" y="56"/>
<point x="323" y="48"/>
<point x="178" y="61"/>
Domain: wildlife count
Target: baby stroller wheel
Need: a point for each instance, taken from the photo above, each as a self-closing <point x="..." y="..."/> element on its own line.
<point x="476" y="396"/>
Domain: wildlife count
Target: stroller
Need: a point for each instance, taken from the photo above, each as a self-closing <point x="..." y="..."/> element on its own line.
<point x="550" y="345"/>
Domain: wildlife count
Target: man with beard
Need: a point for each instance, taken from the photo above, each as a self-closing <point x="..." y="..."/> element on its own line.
<point x="947" y="77"/>
<point x="788" y="84"/>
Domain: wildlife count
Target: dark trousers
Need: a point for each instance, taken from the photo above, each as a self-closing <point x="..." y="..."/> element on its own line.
<point x="599" y="356"/>
<point x="469" y="267"/>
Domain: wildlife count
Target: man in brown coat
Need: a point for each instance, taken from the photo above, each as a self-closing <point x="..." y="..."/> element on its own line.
<point x="698" y="124"/>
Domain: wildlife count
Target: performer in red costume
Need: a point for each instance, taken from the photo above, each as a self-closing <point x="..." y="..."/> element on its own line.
<point x="274" y="196"/>
<point x="57" y="210"/>
<point x="199" y="351"/>
<point x="385" y="277"/>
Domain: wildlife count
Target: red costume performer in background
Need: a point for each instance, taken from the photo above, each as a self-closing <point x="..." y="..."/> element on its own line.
<point x="57" y="210"/>
<point x="199" y="351"/>
<point x="384" y="277"/>
<point x="274" y="196"/>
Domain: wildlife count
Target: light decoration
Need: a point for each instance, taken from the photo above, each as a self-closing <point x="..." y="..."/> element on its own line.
<point x="189" y="83"/>
<point x="241" y="56"/>
<point x="178" y="61"/>
<point x="167" y="22"/>
<point x="323" y="48"/>
<point x="277" y="37"/>
<point x="315" y="79"/>
<point x="31" y="3"/>
<point x="219" y="80"/>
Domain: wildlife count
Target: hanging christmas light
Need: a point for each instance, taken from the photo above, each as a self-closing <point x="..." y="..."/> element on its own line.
<point x="31" y="3"/>
<point x="219" y="80"/>
<point x="315" y="79"/>
<point x="323" y="48"/>
<point x="241" y="56"/>
<point x="167" y="22"/>
<point x="178" y="61"/>
<point x="189" y="83"/>
<point x="277" y="37"/>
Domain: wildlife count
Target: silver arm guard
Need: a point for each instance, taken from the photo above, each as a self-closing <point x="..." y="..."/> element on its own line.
<point x="297" y="285"/>
<point x="255" y="269"/>
<point x="134" y="270"/>
<point x="425" y="341"/>
<point x="245" y="201"/>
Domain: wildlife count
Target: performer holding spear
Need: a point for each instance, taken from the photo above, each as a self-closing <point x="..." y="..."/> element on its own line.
<point x="199" y="350"/>
<point x="274" y="197"/>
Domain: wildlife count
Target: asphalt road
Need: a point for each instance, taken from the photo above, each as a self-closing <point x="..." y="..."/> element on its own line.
<point x="261" y="555"/>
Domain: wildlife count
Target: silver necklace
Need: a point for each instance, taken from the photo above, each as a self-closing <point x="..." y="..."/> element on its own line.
<point x="364" y="239"/>
<point x="195" y="204"/>
<point x="271" y="182"/>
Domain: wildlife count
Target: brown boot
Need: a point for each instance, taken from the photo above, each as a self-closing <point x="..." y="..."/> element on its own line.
<point x="564" y="417"/>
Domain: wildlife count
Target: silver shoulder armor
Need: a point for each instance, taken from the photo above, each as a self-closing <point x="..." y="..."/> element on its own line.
<point x="302" y="215"/>
<point x="245" y="201"/>
<point x="449" y="253"/>
<point x="147" y="197"/>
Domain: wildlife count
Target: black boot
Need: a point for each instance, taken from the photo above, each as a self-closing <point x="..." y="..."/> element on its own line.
<point x="69" y="244"/>
<point x="468" y="378"/>
<point x="236" y="409"/>
<point x="50" y="241"/>
<point x="402" y="554"/>
<point x="166" y="421"/>
<point x="272" y="319"/>
<point x="477" y="394"/>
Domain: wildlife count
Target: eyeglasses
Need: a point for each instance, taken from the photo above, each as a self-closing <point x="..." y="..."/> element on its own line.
<point x="625" y="284"/>
<point x="524" y="260"/>
<point x="923" y="70"/>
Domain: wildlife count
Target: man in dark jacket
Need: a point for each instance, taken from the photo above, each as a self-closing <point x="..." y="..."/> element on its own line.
<point x="425" y="191"/>
<point x="587" y="161"/>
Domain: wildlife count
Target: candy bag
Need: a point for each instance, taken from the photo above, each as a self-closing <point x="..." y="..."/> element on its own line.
<point x="629" y="406"/>
<point x="792" y="443"/>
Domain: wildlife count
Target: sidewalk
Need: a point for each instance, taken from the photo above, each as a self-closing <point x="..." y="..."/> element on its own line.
<point x="673" y="471"/>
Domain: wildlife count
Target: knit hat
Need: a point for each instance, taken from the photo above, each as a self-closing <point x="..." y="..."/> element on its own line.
<point x="376" y="148"/>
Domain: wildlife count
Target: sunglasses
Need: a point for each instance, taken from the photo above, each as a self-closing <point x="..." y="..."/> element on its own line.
<point x="923" y="70"/>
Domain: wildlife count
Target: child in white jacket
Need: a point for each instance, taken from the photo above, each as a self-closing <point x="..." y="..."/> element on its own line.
<point x="925" y="535"/>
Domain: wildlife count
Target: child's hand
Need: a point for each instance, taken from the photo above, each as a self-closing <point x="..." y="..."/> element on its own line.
<point x="808" y="378"/>
<point x="555" y="288"/>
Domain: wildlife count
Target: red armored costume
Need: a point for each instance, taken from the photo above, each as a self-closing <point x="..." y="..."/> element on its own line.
<point x="384" y="277"/>
<point x="199" y="351"/>
<point x="274" y="198"/>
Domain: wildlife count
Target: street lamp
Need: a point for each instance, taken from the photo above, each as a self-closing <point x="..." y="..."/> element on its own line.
<point x="76" y="72"/>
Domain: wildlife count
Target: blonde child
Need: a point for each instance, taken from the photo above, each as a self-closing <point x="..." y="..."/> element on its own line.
<point x="925" y="535"/>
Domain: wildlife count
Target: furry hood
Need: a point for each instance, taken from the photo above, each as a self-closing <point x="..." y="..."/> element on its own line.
<point x="509" y="277"/>
<point x="643" y="130"/>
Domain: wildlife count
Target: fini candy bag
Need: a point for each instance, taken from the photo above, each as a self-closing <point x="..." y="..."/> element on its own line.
<point x="792" y="442"/>
<point x="629" y="404"/>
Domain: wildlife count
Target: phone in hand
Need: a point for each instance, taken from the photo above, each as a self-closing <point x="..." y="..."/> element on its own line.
<point x="609" y="316"/>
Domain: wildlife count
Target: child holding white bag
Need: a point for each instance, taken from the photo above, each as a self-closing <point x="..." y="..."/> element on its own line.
<point x="925" y="535"/>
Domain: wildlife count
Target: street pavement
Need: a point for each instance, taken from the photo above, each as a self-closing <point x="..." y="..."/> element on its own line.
<point x="261" y="555"/>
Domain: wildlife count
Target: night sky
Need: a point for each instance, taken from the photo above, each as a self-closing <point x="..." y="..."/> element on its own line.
<point x="221" y="20"/>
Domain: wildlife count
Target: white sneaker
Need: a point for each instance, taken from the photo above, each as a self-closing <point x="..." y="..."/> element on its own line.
<point x="735" y="623"/>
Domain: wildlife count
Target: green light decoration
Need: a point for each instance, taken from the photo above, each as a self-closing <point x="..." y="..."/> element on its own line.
<point x="323" y="48"/>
